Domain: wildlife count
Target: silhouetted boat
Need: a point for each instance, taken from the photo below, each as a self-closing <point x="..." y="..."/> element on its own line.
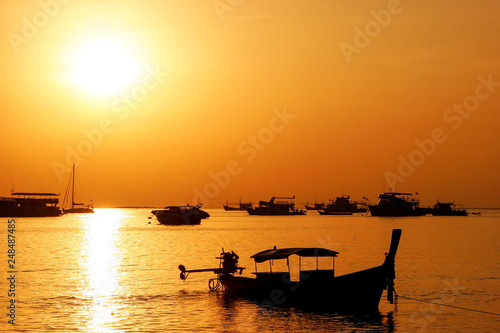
<point x="177" y="215"/>
<point x="397" y="204"/>
<point x="30" y="204"/>
<point x="317" y="206"/>
<point x="241" y="206"/>
<point x="276" y="206"/>
<point x="74" y="207"/>
<point x="343" y="206"/>
<point x="447" y="209"/>
<point x="315" y="289"/>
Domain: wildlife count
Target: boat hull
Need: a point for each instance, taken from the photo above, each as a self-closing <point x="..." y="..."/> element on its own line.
<point x="358" y="292"/>
<point x="447" y="209"/>
<point x="178" y="220"/>
<point x="396" y="212"/>
<point x="258" y="211"/>
<point x="190" y="216"/>
<point x="324" y="212"/>
<point x="232" y="208"/>
<point x="15" y="207"/>
<point x="44" y="212"/>
<point x="315" y="207"/>
<point x="78" y="211"/>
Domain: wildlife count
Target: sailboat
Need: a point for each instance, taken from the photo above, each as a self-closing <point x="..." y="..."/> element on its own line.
<point x="74" y="207"/>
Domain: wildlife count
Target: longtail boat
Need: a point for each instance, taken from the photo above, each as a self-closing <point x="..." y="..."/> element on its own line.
<point x="315" y="288"/>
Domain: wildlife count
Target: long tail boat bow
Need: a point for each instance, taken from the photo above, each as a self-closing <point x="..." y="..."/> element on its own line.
<point x="389" y="264"/>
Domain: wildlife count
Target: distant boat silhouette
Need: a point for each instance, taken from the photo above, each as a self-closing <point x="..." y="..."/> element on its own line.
<point x="276" y="206"/>
<point x="74" y="207"/>
<point x="241" y="206"/>
<point x="343" y="206"/>
<point x="178" y="215"/>
<point x="30" y="204"/>
<point x="397" y="204"/>
<point x="317" y="206"/>
<point x="447" y="209"/>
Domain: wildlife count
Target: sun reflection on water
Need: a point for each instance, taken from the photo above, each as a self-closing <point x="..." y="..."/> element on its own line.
<point x="100" y="260"/>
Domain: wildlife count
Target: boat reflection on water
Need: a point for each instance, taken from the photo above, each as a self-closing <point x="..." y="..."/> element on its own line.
<point x="238" y="312"/>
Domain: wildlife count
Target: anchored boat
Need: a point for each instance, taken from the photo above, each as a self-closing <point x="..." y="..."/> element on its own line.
<point x="276" y="206"/>
<point x="315" y="289"/>
<point x="397" y="204"/>
<point x="343" y="206"/>
<point x="241" y="206"/>
<point x="177" y="215"/>
<point x="74" y="207"/>
<point x="447" y="209"/>
<point x="317" y="206"/>
<point x="30" y="204"/>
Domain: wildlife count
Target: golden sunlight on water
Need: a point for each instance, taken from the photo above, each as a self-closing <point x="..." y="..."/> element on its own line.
<point x="114" y="271"/>
<point x="100" y="261"/>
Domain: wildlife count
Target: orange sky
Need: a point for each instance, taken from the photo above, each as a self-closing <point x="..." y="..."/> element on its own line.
<point x="250" y="99"/>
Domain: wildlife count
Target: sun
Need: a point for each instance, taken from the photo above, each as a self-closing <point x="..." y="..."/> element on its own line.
<point x="104" y="65"/>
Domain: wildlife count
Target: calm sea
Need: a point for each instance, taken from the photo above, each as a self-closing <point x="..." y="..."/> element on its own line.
<point x="116" y="271"/>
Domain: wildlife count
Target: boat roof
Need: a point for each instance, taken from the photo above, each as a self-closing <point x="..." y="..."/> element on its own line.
<point x="181" y="206"/>
<point x="35" y="193"/>
<point x="286" y="252"/>
<point x="396" y="193"/>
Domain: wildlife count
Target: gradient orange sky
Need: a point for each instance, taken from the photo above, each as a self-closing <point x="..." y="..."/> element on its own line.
<point x="250" y="99"/>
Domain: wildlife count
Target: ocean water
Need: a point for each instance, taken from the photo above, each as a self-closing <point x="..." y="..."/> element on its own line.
<point x="116" y="271"/>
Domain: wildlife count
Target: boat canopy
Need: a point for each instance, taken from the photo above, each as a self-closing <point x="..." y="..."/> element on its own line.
<point x="300" y="251"/>
<point x="34" y="194"/>
<point x="182" y="206"/>
<point x="396" y="193"/>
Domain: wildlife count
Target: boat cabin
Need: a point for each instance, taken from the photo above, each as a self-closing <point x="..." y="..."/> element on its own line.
<point x="306" y="273"/>
<point x="279" y="202"/>
<point x="36" y="199"/>
<point x="390" y="198"/>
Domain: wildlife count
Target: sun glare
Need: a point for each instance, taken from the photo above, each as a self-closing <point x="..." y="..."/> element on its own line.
<point x="103" y="66"/>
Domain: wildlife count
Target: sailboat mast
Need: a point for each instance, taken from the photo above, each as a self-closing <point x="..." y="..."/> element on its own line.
<point x="73" y="188"/>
